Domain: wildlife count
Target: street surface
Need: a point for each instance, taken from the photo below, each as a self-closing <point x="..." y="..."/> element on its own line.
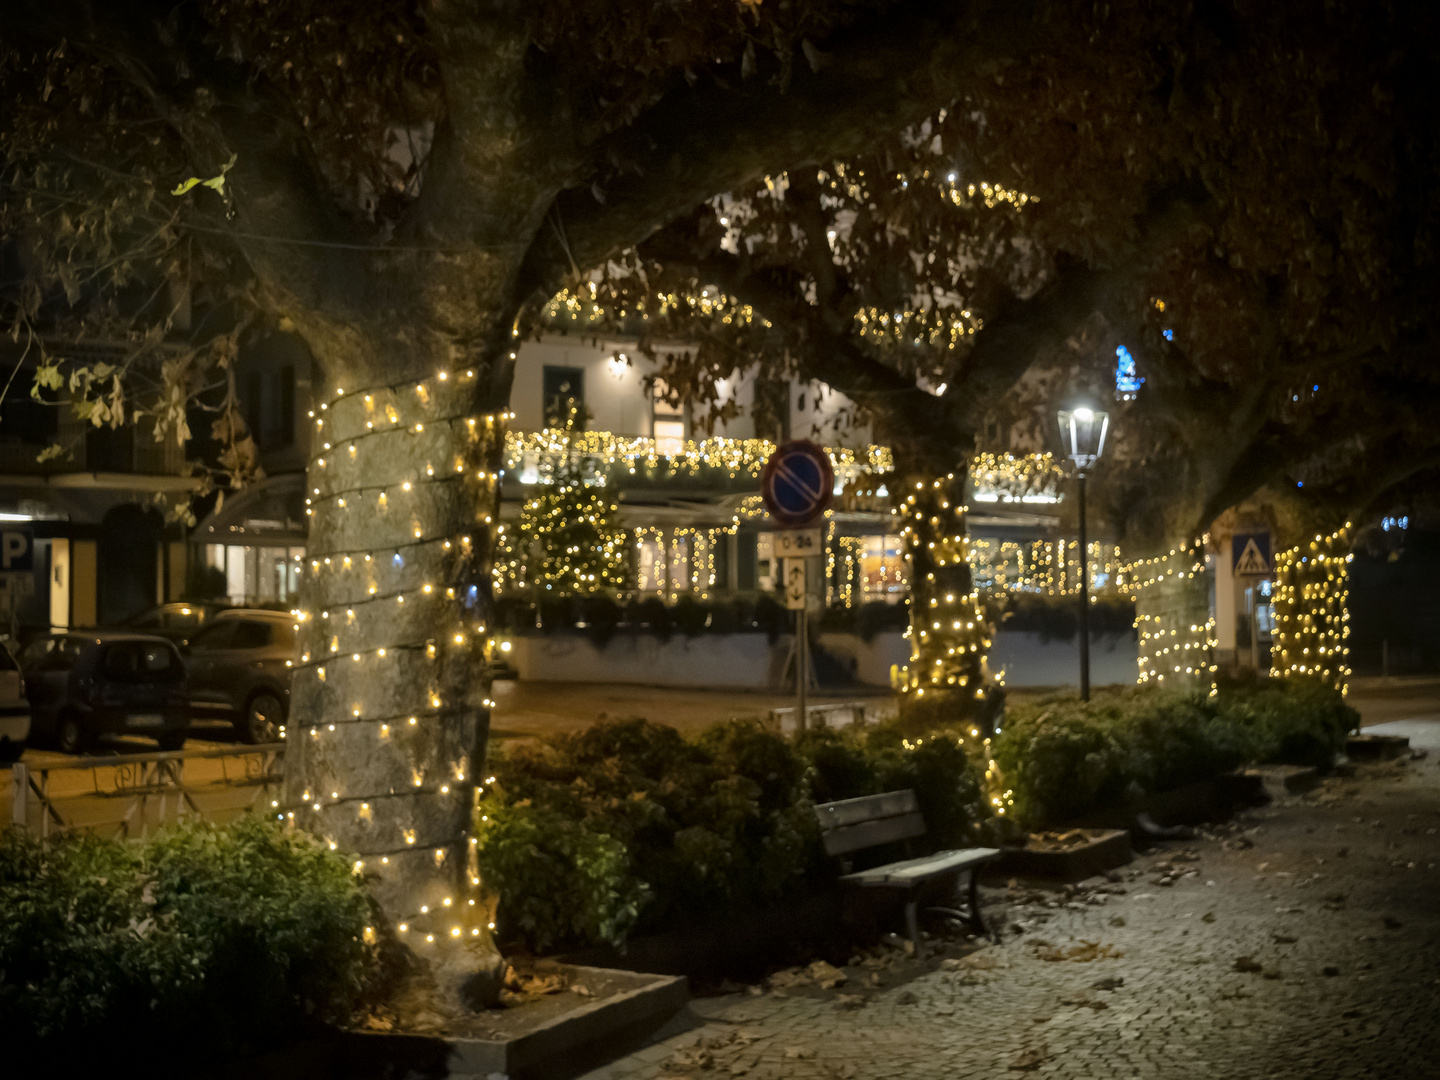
<point x="524" y="710"/>
<point x="1301" y="940"/>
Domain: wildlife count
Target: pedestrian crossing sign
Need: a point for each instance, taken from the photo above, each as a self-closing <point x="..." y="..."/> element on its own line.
<point x="1251" y="552"/>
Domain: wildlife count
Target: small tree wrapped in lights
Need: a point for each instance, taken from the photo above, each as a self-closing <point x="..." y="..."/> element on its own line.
<point x="1312" y="623"/>
<point x="570" y="532"/>
<point x="949" y="630"/>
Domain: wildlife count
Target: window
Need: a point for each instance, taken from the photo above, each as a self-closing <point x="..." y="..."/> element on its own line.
<point x="765" y="561"/>
<point x="252" y="634"/>
<point x="668" y="420"/>
<point x="218" y="635"/>
<point x="882" y="568"/>
<point x="27" y="421"/>
<point x="652" y="571"/>
<point x="564" y="390"/>
<point x="51" y="654"/>
<point x="669" y="437"/>
<point x="133" y="661"/>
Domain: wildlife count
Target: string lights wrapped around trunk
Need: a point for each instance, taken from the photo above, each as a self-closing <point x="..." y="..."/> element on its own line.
<point x="392" y="631"/>
<point x="949" y="637"/>
<point x="1177" y="639"/>
<point x="1312" y="619"/>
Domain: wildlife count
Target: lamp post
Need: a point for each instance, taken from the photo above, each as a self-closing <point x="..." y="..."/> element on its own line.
<point x="1082" y="431"/>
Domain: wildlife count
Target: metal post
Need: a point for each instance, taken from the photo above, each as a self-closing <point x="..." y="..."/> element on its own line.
<point x="1084" y="601"/>
<point x="20" y="801"/>
<point x="802" y="666"/>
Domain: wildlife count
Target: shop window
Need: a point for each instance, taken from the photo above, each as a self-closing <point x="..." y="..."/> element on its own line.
<point x="882" y="568"/>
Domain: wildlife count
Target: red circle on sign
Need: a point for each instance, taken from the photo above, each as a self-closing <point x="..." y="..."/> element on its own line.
<point x="797" y="483"/>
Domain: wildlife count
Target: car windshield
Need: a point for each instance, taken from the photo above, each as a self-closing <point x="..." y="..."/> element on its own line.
<point x="140" y="661"/>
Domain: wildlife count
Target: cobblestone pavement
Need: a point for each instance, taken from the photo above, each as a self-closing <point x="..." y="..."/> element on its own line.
<point x="1301" y="940"/>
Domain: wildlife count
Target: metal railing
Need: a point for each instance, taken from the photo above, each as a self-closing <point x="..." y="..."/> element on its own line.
<point x="149" y="789"/>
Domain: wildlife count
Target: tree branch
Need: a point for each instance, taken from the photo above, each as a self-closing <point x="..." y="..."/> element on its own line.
<point x="882" y="74"/>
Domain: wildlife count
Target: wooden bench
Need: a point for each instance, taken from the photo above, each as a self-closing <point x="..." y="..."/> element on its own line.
<point x="852" y="825"/>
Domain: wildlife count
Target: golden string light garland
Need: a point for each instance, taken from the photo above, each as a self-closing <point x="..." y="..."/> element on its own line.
<point x="1311" y="614"/>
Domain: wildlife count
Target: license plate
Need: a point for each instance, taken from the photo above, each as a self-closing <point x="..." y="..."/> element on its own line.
<point x="146" y="720"/>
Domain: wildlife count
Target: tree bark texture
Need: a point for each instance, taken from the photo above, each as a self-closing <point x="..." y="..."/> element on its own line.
<point x="390" y="699"/>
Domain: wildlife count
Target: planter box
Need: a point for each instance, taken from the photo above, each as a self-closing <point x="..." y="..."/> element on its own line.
<point x="1286" y="779"/>
<point x="1377" y="747"/>
<point x="1105" y="850"/>
<point x="730" y="942"/>
<point x="1192" y="804"/>
<point x="579" y="1039"/>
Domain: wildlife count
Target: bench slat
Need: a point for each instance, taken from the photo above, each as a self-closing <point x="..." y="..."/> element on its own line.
<point x="868" y="834"/>
<point x="913" y="871"/>
<point x="833" y="815"/>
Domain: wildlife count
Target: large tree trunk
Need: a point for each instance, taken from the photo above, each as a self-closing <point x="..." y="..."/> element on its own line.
<point x="389" y="709"/>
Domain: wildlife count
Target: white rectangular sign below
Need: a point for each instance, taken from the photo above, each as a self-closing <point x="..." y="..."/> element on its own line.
<point x="795" y="584"/>
<point x="790" y="543"/>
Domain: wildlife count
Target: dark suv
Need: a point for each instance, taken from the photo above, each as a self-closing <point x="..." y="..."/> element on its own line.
<point x="83" y="685"/>
<point x="240" y="665"/>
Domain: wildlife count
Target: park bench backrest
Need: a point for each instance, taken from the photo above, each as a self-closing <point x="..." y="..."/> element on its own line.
<point x="855" y="824"/>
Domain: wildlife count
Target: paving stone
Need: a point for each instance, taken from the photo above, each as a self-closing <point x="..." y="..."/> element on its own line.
<point x="1182" y="1010"/>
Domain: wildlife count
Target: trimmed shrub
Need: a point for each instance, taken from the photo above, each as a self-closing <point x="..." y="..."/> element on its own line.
<point x="1063" y="758"/>
<point x="628" y="827"/>
<point x="233" y="936"/>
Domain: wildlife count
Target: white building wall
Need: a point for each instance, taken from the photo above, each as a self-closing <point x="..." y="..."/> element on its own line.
<point x="616" y="399"/>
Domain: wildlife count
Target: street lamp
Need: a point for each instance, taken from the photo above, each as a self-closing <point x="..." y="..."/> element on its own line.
<point x="1082" y="431"/>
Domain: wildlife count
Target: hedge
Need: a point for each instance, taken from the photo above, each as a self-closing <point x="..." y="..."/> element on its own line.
<point x="1063" y="758"/>
<point x="628" y="827"/>
<point x="227" y="936"/>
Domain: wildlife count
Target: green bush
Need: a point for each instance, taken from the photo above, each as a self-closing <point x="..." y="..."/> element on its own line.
<point x="628" y="827"/>
<point x="1063" y="758"/>
<point x="233" y="935"/>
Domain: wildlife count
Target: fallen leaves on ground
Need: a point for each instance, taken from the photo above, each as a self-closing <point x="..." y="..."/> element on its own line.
<point x="1030" y="1059"/>
<point x="1081" y="953"/>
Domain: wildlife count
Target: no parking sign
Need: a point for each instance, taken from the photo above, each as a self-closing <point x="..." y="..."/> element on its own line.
<point x="798" y="483"/>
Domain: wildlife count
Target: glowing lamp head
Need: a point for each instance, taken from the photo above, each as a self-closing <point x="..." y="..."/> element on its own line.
<point x="1082" y="434"/>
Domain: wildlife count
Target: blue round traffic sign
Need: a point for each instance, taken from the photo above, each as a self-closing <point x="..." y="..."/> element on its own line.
<point x="797" y="483"/>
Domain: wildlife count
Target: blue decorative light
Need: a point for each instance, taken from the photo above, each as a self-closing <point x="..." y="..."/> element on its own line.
<point x="398" y="561"/>
<point x="1169" y="334"/>
<point x="1127" y="383"/>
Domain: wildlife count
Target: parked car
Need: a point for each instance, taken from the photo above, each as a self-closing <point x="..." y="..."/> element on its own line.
<point x="178" y="621"/>
<point x="240" y="666"/>
<point x="84" y="685"/>
<point x="14" y="709"/>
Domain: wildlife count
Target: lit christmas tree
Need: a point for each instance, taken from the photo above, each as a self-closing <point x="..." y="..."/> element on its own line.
<point x="570" y="532"/>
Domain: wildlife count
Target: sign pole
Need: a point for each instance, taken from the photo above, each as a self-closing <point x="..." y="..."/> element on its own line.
<point x="797" y="486"/>
<point x="1084" y="601"/>
<point x="802" y="665"/>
